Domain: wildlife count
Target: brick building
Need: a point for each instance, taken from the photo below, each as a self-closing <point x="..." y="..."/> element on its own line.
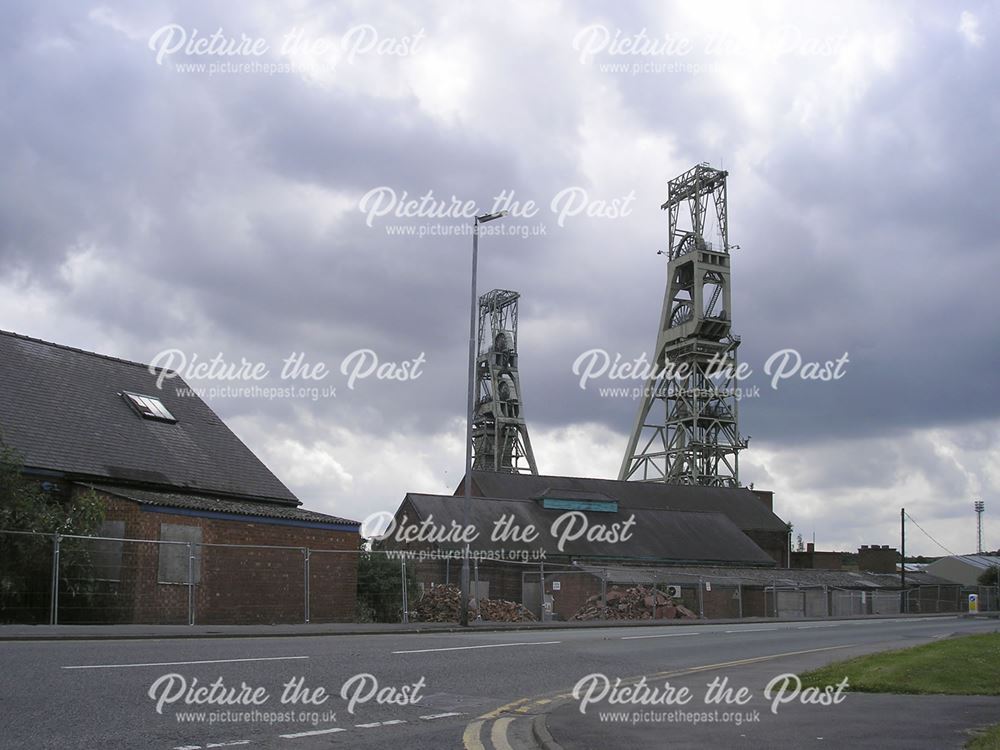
<point x="511" y="568"/>
<point x="174" y="480"/>
<point x="813" y="558"/>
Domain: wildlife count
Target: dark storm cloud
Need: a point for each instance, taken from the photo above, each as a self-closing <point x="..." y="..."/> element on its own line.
<point x="220" y="214"/>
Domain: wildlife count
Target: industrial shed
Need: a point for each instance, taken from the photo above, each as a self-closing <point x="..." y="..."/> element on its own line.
<point x="963" y="569"/>
<point x="511" y="570"/>
<point x="749" y="511"/>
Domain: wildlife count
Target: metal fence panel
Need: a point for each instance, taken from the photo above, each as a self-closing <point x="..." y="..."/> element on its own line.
<point x="108" y="579"/>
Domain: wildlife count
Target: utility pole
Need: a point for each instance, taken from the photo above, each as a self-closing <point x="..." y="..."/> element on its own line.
<point x="902" y="555"/>
<point x="470" y="414"/>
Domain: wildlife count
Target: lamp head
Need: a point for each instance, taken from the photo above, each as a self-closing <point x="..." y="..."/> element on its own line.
<point x="490" y="217"/>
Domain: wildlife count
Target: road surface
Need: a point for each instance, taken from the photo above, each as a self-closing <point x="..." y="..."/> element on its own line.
<point x="434" y="691"/>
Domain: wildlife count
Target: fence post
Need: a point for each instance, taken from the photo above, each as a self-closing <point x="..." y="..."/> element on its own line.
<point x="701" y="598"/>
<point x="406" y="603"/>
<point x="54" y="600"/>
<point x="656" y="589"/>
<point x="305" y="566"/>
<point x="447" y="570"/>
<point x="541" y="590"/>
<point x="190" y="584"/>
<point x="604" y="594"/>
<point x="479" y="604"/>
<point x="774" y="592"/>
<point x="739" y="598"/>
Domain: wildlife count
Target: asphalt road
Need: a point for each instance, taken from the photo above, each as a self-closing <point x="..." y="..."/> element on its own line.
<point x="445" y="690"/>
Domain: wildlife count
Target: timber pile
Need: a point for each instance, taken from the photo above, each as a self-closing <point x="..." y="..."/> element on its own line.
<point x="633" y="603"/>
<point x="443" y="604"/>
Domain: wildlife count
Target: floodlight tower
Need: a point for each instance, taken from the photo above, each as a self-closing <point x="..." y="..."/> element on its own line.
<point x="686" y="429"/>
<point x="979" y="506"/>
<point x="499" y="434"/>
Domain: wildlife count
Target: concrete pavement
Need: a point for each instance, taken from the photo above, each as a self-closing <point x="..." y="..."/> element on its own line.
<point x="14" y="632"/>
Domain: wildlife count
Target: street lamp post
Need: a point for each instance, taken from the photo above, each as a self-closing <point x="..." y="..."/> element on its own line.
<point x="464" y="612"/>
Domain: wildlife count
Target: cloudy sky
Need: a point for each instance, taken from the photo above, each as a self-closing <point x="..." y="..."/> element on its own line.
<point x="254" y="180"/>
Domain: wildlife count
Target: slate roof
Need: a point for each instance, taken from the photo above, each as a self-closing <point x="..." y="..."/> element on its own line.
<point x="222" y="505"/>
<point x="657" y="535"/>
<point x="740" y="505"/>
<point x="61" y="410"/>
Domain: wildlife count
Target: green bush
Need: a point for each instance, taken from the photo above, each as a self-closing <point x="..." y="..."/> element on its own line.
<point x="26" y="559"/>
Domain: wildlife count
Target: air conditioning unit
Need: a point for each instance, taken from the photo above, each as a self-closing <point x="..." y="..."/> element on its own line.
<point x="674" y="592"/>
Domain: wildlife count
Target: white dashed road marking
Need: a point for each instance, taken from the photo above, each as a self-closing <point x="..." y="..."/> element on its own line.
<point x="488" y="645"/>
<point x="750" y="630"/>
<point x="180" y="663"/>
<point x="312" y="733"/>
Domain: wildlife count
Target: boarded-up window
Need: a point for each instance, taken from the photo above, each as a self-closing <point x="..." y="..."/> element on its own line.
<point x="174" y="557"/>
<point x="106" y="554"/>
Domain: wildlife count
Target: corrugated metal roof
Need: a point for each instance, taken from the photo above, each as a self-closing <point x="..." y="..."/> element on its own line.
<point x="982" y="562"/>
<point x="800" y="577"/>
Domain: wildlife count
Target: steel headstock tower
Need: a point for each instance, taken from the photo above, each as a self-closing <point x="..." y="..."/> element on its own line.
<point x="499" y="434"/>
<point x="686" y="431"/>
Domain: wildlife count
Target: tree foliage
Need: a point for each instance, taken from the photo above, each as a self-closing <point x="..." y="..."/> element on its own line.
<point x="28" y="505"/>
<point x="380" y="586"/>
<point x="989" y="576"/>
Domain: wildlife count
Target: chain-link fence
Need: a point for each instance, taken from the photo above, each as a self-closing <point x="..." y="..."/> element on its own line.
<point x="66" y="579"/>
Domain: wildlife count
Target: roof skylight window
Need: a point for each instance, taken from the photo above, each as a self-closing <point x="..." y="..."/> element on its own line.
<point x="148" y="407"/>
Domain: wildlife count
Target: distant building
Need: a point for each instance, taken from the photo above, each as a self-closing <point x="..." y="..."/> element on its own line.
<point x="169" y="469"/>
<point x="813" y="559"/>
<point x="875" y="558"/>
<point x="963" y="569"/>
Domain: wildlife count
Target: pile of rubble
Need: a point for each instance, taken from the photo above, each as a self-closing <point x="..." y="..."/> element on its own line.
<point x="443" y="604"/>
<point x="501" y="610"/>
<point x="439" y="604"/>
<point x="633" y="603"/>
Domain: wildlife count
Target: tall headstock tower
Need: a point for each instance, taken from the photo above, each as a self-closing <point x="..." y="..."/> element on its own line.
<point x="499" y="434"/>
<point x="686" y="431"/>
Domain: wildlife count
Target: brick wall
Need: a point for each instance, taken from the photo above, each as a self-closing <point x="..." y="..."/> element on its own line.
<point x="877" y="558"/>
<point x="237" y="585"/>
<point x="774" y="543"/>
<point x="574" y="590"/>
<point x="814" y="559"/>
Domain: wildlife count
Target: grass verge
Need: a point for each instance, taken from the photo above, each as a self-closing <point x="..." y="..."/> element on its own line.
<point x="968" y="665"/>
<point x="988" y="740"/>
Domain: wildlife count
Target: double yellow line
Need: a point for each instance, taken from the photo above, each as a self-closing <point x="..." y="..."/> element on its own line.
<point x="522" y="706"/>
